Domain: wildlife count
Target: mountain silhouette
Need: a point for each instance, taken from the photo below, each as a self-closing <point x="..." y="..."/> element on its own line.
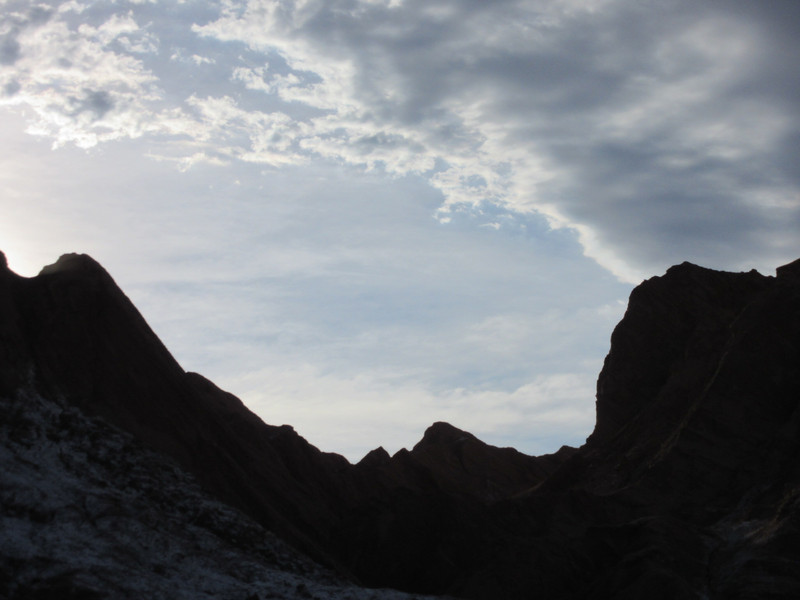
<point x="688" y="487"/>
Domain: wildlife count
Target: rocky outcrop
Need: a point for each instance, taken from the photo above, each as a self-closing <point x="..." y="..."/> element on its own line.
<point x="87" y="512"/>
<point x="701" y="387"/>
<point x="693" y="460"/>
<point x="688" y="487"/>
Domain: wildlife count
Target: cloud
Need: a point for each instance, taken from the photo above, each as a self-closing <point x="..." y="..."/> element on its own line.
<point x="9" y="50"/>
<point x="601" y="116"/>
<point x="654" y="133"/>
<point x="538" y="417"/>
<point x="81" y="90"/>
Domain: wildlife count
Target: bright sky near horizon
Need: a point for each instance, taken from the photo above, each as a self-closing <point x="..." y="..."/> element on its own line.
<point x="363" y="216"/>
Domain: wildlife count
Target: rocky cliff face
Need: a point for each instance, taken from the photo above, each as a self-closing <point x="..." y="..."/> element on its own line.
<point x="688" y="486"/>
<point x="693" y="459"/>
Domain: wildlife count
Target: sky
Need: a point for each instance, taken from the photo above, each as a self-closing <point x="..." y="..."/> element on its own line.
<point x="364" y="216"/>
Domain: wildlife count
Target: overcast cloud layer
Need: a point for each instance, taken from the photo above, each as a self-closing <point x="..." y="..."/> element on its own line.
<point x="434" y="207"/>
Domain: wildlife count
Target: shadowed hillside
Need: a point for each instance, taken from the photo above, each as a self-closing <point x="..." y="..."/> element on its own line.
<point x="688" y="486"/>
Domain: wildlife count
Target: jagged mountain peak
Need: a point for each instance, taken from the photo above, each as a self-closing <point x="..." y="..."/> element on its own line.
<point x="375" y="458"/>
<point x="445" y="434"/>
<point x="73" y="262"/>
<point x="789" y="271"/>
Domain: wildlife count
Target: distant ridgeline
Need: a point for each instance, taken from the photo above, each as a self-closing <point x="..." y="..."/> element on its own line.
<point x="688" y="487"/>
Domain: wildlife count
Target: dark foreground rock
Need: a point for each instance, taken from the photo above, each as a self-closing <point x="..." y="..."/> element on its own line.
<point x="87" y="512"/>
<point x="689" y="486"/>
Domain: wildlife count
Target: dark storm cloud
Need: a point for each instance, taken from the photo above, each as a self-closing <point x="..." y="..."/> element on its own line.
<point x="95" y="102"/>
<point x="660" y="130"/>
<point x="9" y="50"/>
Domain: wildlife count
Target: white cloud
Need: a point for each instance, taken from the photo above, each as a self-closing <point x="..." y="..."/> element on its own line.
<point x="547" y="105"/>
<point x="81" y="91"/>
<point x="202" y="60"/>
<point x="544" y="414"/>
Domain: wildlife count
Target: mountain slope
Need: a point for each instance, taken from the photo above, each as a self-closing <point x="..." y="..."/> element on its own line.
<point x="80" y="337"/>
<point x="688" y="487"/>
<point x="86" y="511"/>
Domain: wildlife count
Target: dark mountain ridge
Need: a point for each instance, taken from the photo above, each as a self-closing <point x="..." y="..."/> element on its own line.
<point x="689" y="485"/>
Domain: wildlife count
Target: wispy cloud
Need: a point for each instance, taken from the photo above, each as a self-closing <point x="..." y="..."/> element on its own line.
<point x="581" y="112"/>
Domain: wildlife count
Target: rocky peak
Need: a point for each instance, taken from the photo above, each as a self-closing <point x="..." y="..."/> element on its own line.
<point x="664" y="314"/>
<point x="789" y="271"/>
<point x="73" y="262"/>
<point x="441" y="433"/>
<point x="375" y="458"/>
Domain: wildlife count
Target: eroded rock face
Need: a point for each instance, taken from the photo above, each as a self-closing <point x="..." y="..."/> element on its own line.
<point x="697" y="436"/>
<point x="672" y="321"/>
<point x="688" y="487"/>
<point x="713" y="401"/>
